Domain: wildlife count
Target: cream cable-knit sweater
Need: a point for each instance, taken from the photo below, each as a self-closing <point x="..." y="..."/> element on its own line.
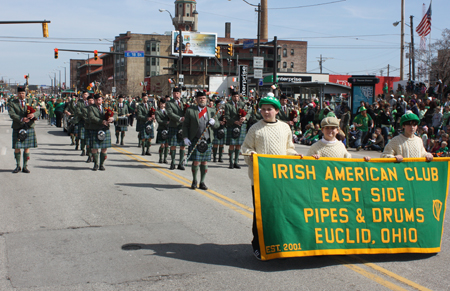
<point x="329" y="150"/>
<point x="268" y="138"/>
<point x="404" y="146"/>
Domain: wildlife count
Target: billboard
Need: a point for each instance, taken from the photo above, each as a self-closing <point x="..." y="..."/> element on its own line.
<point x="194" y="44"/>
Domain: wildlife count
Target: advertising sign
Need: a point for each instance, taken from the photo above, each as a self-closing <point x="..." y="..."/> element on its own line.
<point x="243" y="80"/>
<point x="194" y="43"/>
<point x="362" y="93"/>
<point x="309" y="207"/>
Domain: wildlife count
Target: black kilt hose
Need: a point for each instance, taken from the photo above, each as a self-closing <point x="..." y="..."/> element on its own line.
<point x="121" y="128"/>
<point x="236" y="141"/>
<point x="198" y="156"/>
<point x="29" y="142"/>
<point x="144" y="134"/>
<point x="98" y="144"/>
<point x="173" y="139"/>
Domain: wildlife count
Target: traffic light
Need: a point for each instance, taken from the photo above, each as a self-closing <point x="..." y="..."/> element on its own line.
<point x="218" y="52"/>
<point x="95" y="55"/>
<point x="56" y="53"/>
<point x="230" y="49"/>
<point x="25" y="76"/>
<point x="45" y="29"/>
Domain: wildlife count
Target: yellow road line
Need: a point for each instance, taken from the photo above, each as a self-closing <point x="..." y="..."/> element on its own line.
<point x="369" y="275"/>
<point x="391" y="274"/>
<point x="232" y="203"/>
<point x="150" y="164"/>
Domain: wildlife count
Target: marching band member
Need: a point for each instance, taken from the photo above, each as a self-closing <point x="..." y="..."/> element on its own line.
<point x="219" y="136"/>
<point x="163" y="125"/>
<point x="23" y="135"/>
<point x="145" y="116"/>
<point x="235" y="115"/>
<point x="176" y="110"/>
<point x="197" y="132"/>
<point x="122" y="111"/>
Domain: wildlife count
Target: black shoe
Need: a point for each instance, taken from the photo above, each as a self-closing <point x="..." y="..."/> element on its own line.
<point x="147" y="153"/>
<point x="101" y="168"/>
<point x="194" y="185"/>
<point x="143" y="153"/>
<point x="180" y="167"/>
<point x="89" y="160"/>
<point x="160" y="161"/>
<point x="230" y="166"/>
<point x="257" y="254"/>
<point x="214" y="160"/>
<point x="220" y="160"/>
<point x="236" y="166"/>
<point x="172" y="167"/>
<point x="25" y="170"/>
<point x="165" y="161"/>
<point x="202" y="186"/>
<point x="95" y="168"/>
<point x="117" y="141"/>
<point x="17" y="170"/>
<point x="121" y="143"/>
<point x="83" y="153"/>
<point x="72" y="144"/>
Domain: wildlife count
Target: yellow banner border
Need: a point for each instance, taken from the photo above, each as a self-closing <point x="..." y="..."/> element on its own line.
<point x="258" y="214"/>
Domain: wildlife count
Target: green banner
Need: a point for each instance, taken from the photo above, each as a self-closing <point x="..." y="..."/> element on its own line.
<point x="308" y="207"/>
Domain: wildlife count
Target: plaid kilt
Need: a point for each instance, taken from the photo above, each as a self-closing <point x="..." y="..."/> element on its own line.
<point x="173" y="141"/>
<point x="236" y="141"/>
<point x="81" y="130"/>
<point x="217" y="141"/>
<point x="121" y="128"/>
<point x="198" y="156"/>
<point x="144" y="135"/>
<point x="96" y="144"/>
<point x="29" y="142"/>
<point x="159" y="139"/>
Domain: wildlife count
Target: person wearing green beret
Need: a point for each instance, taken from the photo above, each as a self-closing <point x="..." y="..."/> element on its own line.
<point x="407" y="144"/>
<point x="268" y="136"/>
<point x="362" y="123"/>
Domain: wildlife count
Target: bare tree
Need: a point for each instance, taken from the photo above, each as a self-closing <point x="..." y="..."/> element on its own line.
<point x="440" y="63"/>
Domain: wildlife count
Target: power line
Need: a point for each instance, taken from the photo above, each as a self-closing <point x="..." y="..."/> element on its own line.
<point x="304" y="6"/>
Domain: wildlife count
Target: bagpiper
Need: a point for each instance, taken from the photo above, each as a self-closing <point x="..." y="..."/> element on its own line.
<point x="236" y="118"/>
<point x="219" y="136"/>
<point x="198" y="134"/>
<point x="176" y="110"/>
<point x="99" y="119"/>
<point x="163" y="131"/>
<point x="23" y="135"/>
<point x="81" y="113"/>
<point x="145" y="117"/>
<point x="86" y="128"/>
<point x="121" y="108"/>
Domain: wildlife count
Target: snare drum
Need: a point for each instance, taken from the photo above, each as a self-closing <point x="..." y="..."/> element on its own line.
<point x="122" y="121"/>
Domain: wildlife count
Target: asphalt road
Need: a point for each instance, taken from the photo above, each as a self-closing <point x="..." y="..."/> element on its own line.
<point x="137" y="226"/>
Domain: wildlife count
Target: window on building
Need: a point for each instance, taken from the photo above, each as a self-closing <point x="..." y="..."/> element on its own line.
<point x="284" y="53"/>
<point x="187" y="14"/>
<point x="187" y="28"/>
<point x="147" y="47"/>
<point x="157" y="61"/>
<point x="292" y="52"/>
<point x="147" y="74"/>
<point x="153" y="47"/>
<point x="292" y="65"/>
<point x="263" y="52"/>
<point x="153" y="61"/>
<point x="147" y="60"/>
<point x="284" y="65"/>
<point x="157" y="47"/>
<point x="153" y="73"/>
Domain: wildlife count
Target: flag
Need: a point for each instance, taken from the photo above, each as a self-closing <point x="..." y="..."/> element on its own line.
<point x="170" y="81"/>
<point x="424" y="27"/>
<point x="142" y="83"/>
<point x="234" y="80"/>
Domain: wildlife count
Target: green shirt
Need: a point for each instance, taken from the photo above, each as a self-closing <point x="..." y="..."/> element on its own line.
<point x="359" y="119"/>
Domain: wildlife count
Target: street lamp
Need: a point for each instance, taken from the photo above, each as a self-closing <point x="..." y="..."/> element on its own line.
<point x="412" y="74"/>
<point x="180" y="56"/>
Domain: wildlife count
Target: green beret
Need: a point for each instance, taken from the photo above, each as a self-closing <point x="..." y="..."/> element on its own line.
<point x="271" y="101"/>
<point x="409" y="117"/>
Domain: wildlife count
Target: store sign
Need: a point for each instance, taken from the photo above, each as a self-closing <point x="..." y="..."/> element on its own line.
<point x="243" y="80"/>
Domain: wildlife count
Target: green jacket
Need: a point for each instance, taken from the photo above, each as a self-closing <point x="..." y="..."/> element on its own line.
<point x="232" y="113"/>
<point x="96" y="118"/>
<point x="143" y="113"/>
<point x="84" y="111"/>
<point x="175" y="112"/>
<point x="162" y="119"/>
<point x="284" y="116"/>
<point x="190" y="124"/>
<point x="121" y="111"/>
<point x="16" y="112"/>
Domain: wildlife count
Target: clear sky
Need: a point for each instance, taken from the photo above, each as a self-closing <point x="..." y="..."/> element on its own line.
<point x="357" y="36"/>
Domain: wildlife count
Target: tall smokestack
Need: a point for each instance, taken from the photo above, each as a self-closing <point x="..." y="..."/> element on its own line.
<point x="264" y="20"/>
<point x="227" y="29"/>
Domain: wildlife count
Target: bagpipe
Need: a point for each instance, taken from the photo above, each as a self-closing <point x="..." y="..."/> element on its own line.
<point x="148" y="123"/>
<point x="101" y="134"/>
<point x="23" y="132"/>
<point x="202" y="144"/>
<point x="237" y="130"/>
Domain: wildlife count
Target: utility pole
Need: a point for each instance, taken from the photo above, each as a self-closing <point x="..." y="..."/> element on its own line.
<point x="402" y="41"/>
<point x="321" y="61"/>
<point x="413" y="58"/>
<point x="258" y="45"/>
<point x="275" y="62"/>
<point x="388" y="70"/>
